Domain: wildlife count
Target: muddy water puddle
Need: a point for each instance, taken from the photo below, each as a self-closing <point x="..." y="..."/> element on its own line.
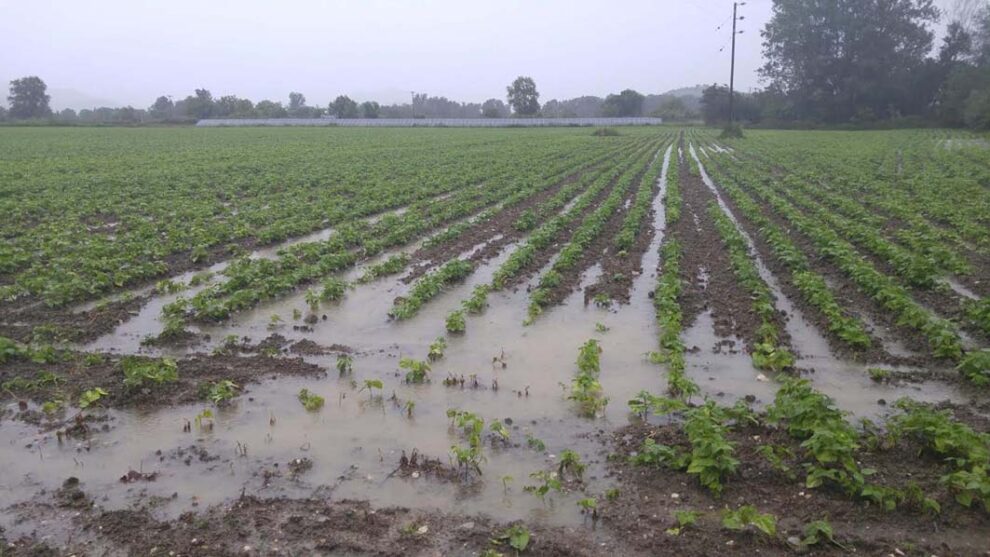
<point x="356" y="441"/>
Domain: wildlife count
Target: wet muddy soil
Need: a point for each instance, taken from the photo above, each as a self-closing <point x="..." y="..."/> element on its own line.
<point x="78" y="372"/>
<point x="650" y="496"/>
<point x="706" y="270"/>
<point x="598" y="251"/>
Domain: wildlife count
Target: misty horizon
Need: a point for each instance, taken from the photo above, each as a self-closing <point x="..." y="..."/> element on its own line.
<point x="380" y="51"/>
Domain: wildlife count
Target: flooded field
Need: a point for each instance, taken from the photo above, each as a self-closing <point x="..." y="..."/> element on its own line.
<point x="500" y="354"/>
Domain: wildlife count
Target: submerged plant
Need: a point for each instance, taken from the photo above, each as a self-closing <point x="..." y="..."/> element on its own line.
<point x="418" y="370"/>
<point x="345" y="364"/>
<point x="455" y="322"/>
<point x="437" y="348"/>
<point x="310" y="401"/>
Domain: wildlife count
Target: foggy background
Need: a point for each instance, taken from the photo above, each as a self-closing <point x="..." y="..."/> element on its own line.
<point x="128" y="52"/>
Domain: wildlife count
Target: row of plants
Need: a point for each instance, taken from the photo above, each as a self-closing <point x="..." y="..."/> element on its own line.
<point x="429" y="286"/>
<point x="810" y="284"/>
<point x="941" y="334"/>
<point x="542" y="238"/>
<point x="127" y="212"/>
<point x="589" y="230"/>
<point x="586" y="390"/>
<point x="666" y="295"/>
<point x="250" y="281"/>
<point x="767" y="352"/>
<point x="635" y="220"/>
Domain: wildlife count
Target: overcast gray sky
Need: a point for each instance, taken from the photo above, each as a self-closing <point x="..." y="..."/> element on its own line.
<point x="131" y="51"/>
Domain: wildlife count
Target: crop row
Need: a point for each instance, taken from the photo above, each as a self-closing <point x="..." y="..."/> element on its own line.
<point x="252" y="280"/>
<point x="811" y="285"/>
<point x="115" y="209"/>
<point x="941" y="334"/>
<point x="433" y="283"/>
<point x="589" y="230"/>
<point x="544" y="236"/>
<point x="768" y="352"/>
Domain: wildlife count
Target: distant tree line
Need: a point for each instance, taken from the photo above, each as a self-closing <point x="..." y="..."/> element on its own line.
<point x="866" y="62"/>
<point x="29" y="101"/>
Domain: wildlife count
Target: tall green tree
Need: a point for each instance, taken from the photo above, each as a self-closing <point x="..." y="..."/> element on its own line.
<point x="837" y="60"/>
<point x="28" y="98"/>
<point x="370" y="109"/>
<point x="162" y="108"/>
<point x="626" y="103"/>
<point x="523" y="96"/>
<point x="344" y="107"/>
<point x="494" y="108"/>
<point x="199" y="105"/>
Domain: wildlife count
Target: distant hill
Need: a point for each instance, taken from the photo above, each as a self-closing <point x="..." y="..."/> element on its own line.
<point x="77" y="100"/>
<point x="694" y="91"/>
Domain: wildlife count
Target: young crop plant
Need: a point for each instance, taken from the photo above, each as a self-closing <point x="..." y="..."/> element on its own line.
<point x="685" y="520"/>
<point x="966" y="451"/>
<point x="975" y="367"/>
<point x="310" y="401"/>
<point x="570" y="463"/>
<point x="417" y="370"/>
<point x="478" y="300"/>
<point x="548" y="481"/>
<point x="333" y="289"/>
<point x="91" y="396"/>
<point x="371" y="384"/>
<point x="746" y="516"/>
<point x="222" y="391"/>
<point x="345" y="364"/>
<point x="472" y="426"/>
<point x="455" y="322"/>
<point x="139" y="372"/>
<point x="585" y="388"/>
<point x="429" y="286"/>
<point x="711" y="458"/>
<point x="437" y="349"/>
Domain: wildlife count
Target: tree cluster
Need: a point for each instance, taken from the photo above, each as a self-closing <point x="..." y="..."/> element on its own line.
<point x="866" y="62"/>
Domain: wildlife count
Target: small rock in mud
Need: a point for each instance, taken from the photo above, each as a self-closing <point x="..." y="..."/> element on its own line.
<point x="135" y="476"/>
<point x="70" y="495"/>
<point x="300" y="465"/>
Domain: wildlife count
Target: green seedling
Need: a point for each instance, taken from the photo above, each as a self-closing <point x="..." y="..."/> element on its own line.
<point x="570" y="462"/>
<point x="516" y="536"/>
<point x="91" y="397"/>
<point x="547" y="481"/>
<point x="418" y="370"/>
<point x="747" y="515"/>
<point x="139" y="371"/>
<point x="455" y="322"/>
<point x="222" y="391"/>
<point x="310" y="401"/>
<point x="370" y="385"/>
<point x="345" y="364"/>
<point x="437" y="348"/>
<point x="685" y="519"/>
<point x="204" y="420"/>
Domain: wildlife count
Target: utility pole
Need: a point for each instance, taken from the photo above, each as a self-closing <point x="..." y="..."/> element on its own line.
<point x="732" y="66"/>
